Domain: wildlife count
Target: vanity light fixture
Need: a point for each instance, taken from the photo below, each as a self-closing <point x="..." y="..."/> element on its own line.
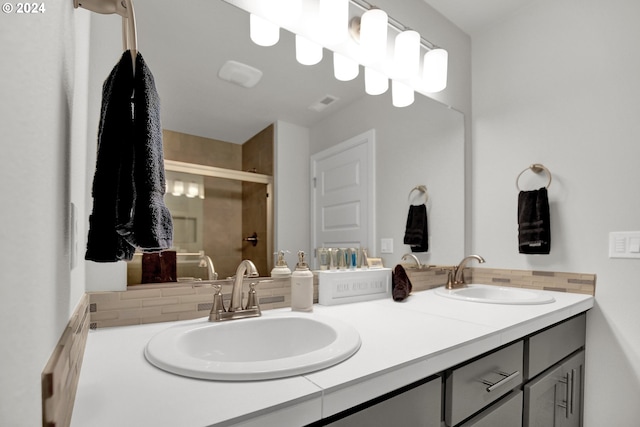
<point x="373" y="35"/>
<point x="334" y="20"/>
<point x="414" y="63"/>
<point x="402" y="95"/>
<point x="308" y="52"/>
<point x="434" y="70"/>
<point x="192" y="190"/>
<point x="375" y="82"/>
<point x="263" y="32"/>
<point x="178" y="188"/>
<point x="344" y="68"/>
<point x="406" y="54"/>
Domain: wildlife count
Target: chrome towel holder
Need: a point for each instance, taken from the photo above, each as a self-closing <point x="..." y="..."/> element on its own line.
<point x="123" y="8"/>
<point x="421" y="188"/>
<point x="536" y="168"/>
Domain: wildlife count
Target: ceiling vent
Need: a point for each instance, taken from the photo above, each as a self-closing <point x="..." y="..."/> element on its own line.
<point x="323" y="103"/>
<point x="241" y="74"/>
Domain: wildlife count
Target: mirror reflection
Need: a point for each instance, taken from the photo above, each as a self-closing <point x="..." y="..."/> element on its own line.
<point x="205" y="117"/>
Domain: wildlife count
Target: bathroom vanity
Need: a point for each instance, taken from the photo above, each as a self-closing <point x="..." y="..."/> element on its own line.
<point x="423" y="361"/>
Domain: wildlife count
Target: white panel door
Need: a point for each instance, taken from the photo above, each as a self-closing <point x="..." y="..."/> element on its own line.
<point x="342" y="203"/>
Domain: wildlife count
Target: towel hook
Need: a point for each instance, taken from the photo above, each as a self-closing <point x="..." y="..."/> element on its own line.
<point x="421" y="188"/>
<point x="536" y="168"/>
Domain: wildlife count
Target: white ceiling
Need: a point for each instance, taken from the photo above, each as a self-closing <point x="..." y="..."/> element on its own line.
<point x="186" y="46"/>
<point x="474" y="15"/>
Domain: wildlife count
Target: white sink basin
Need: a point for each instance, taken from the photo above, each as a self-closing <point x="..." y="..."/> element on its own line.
<point x="272" y="346"/>
<point x="496" y="295"/>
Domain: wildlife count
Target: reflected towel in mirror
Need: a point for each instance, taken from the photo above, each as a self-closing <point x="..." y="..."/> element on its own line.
<point x="416" y="232"/>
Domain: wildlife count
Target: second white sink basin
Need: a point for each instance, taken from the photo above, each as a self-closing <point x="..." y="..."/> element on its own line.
<point x="497" y="295"/>
<point x="275" y="345"/>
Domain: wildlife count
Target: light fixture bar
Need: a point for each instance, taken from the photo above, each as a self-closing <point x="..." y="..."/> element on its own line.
<point x="394" y="23"/>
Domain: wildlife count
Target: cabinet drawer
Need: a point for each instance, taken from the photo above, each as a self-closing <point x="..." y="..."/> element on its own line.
<point x="471" y="387"/>
<point x="505" y="413"/>
<point x="554" y="344"/>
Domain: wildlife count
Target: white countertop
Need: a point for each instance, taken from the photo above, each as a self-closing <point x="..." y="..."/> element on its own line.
<point x="401" y="343"/>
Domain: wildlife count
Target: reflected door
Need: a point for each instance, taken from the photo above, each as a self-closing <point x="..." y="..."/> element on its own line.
<point x="343" y="184"/>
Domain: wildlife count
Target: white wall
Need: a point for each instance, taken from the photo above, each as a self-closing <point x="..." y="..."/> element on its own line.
<point x="419" y="144"/>
<point x="291" y="182"/>
<point x="559" y="84"/>
<point x="43" y="117"/>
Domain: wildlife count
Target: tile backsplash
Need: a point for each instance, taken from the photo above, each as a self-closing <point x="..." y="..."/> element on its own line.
<point x="171" y="302"/>
<point x="167" y="303"/>
<point x="59" y="379"/>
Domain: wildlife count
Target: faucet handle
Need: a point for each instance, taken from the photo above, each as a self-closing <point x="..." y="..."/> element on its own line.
<point x="252" y="299"/>
<point x="218" y="303"/>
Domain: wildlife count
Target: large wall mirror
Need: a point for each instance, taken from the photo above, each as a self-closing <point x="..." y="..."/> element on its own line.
<point x="186" y="44"/>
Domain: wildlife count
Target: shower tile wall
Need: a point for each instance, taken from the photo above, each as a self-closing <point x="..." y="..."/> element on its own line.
<point x="257" y="154"/>
<point x="223" y="198"/>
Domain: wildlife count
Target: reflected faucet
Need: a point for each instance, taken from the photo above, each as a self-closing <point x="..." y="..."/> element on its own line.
<point x="458" y="275"/>
<point x="205" y="261"/>
<point x="249" y="269"/>
<point x="415" y="258"/>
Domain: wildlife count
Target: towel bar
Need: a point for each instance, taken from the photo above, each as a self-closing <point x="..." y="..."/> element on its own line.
<point x="536" y="168"/>
<point x="123" y="8"/>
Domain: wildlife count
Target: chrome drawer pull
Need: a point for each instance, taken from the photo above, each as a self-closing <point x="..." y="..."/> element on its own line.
<point x="507" y="377"/>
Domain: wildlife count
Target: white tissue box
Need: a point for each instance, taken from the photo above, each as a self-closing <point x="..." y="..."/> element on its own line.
<point x="345" y="286"/>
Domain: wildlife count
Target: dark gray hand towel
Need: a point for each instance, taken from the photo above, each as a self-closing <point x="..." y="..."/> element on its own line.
<point x="534" y="226"/>
<point x="150" y="227"/>
<point x="416" y="232"/>
<point x="128" y="186"/>
<point x="114" y="164"/>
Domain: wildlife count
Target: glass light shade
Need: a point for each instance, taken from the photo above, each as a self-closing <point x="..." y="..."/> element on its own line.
<point x="402" y="95"/>
<point x="307" y="51"/>
<point x="406" y="54"/>
<point x="201" y="190"/>
<point x="263" y="32"/>
<point x="435" y="69"/>
<point x="168" y="186"/>
<point x="344" y="69"/>
<point x="178" y="188"/>
<point x="373" y="35"/>
<point x="283" y="11"/>
<point x="192" y="190"/>
<point x="375" y="83"/>
<point x="334" y="20"/>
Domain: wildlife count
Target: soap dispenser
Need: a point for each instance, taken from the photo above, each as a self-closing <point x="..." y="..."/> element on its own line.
<point x="302" y="286"/>
<point x="281" y="270"/>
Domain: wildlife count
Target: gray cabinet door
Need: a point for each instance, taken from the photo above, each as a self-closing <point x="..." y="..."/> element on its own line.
<point x="507" y="413"/>
<point x="555" y="398"/>
<point x="418" y="407"/>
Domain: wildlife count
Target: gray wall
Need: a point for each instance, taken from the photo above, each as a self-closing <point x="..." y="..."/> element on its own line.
<point x="558" y="84"/>
<point x="43" y="115"/>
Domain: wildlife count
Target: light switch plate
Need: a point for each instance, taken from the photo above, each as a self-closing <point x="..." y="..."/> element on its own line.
<point x="386" y="246"/>
<point x="624" y="244"/>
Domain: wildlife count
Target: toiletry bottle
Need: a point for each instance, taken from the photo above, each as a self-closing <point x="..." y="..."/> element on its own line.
<point x="302" y="286"/>
<point x="281" y="269"/>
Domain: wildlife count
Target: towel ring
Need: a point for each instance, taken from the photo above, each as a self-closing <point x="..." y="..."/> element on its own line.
<point x="536" y="168"/>
<point x="422" y="189"/>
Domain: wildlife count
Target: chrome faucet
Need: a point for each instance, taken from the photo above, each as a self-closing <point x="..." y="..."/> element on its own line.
<point x="415" y="258"/>
<point x="249" y="269"/>
<point x="457" y="273"/>
<point x="235" y="310"/>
